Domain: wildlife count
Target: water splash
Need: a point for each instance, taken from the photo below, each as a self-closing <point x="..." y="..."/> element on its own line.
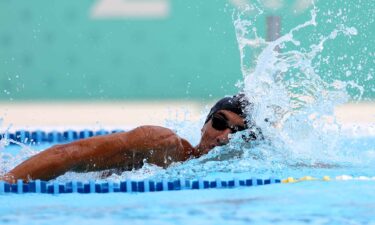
<point x="8" y="160"/>
<point x="293" y="105"/>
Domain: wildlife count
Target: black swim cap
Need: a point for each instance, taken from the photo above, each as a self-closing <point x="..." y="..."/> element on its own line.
<point x="236" y="104"/>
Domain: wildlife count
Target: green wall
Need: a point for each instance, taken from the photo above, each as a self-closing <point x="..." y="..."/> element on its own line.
<point x="53" y="49"/>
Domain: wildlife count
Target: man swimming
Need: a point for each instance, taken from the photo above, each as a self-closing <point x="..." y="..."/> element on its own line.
<point x="127" y="150"/>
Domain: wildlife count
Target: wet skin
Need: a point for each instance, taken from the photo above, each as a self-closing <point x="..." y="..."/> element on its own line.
<point x="122" y="151"/>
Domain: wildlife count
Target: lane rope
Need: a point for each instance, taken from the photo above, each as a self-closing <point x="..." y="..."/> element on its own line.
<point x="39" y="136"/>
<point x="128" y="186"/>
<point x="132" y="186"/>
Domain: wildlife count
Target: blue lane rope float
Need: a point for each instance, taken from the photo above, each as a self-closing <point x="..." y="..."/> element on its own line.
<point x="128" y="186"/>
<point x="132" y="186"/>
<point x="39" y="136"/>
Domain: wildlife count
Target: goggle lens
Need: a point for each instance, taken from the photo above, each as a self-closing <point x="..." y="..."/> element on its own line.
<point x="220" y="123"/>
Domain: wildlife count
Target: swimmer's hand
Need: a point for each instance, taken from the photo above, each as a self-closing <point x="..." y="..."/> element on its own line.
<point x="124" y="151"/>
<point x="7" y="178"/>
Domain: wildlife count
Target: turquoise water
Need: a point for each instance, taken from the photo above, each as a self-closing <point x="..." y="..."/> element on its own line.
<point x="309" y="202"/>
<point x="339" y="202"/>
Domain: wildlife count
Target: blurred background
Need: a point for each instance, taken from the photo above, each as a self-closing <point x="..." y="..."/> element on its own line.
<point x="123" y="63"/>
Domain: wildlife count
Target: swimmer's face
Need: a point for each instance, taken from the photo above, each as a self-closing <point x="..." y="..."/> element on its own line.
<point x="217" y="130"/>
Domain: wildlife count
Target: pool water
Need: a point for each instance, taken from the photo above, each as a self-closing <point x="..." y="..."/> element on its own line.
<point x="350" y="201"/>
<point x="335" y="202"/>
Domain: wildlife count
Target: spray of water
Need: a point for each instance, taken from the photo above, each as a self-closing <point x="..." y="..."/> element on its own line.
<point x="293" y="105"/>
<point x="7" y="159"/>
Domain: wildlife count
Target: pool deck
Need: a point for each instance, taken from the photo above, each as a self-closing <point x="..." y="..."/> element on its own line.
<point x="96" y="115"/>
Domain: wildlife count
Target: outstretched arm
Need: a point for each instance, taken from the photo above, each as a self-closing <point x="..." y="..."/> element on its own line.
<point x="157" y="145"/>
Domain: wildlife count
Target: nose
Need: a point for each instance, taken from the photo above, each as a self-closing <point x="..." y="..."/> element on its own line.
<point x="223" y="137"/>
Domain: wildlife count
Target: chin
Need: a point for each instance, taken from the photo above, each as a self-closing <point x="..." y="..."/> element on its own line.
<point x="207" y="149"/>
<point x="203" y="149"/>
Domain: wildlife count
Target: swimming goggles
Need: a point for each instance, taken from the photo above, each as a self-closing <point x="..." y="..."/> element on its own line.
<point x="220" y="122"/>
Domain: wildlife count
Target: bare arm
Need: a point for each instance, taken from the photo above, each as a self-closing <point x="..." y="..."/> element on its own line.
<point x="157" y="145"/>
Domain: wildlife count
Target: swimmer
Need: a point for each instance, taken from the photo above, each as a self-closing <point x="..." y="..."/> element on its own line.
<point x="127" y="150"/>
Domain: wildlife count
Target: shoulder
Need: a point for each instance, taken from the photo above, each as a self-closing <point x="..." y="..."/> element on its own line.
<point x="188" y="149"/>
<point x="168" y="139"/>
<point x="153" y="130"/>
<point x="155" y="134"/>
<point x="153" y="127"/>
